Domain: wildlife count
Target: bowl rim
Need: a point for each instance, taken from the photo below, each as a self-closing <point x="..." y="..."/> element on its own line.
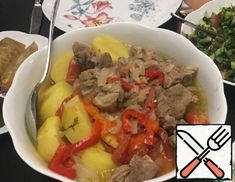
<point x="30" y="59"/>
<point x="209" y="6"/>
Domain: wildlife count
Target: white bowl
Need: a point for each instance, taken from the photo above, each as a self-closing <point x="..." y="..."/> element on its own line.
<point x="208" y="8"/>
<point x="163" y="40"/>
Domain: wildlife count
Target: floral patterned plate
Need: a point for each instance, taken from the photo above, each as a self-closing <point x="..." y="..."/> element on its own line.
<point x="73" y="14"/>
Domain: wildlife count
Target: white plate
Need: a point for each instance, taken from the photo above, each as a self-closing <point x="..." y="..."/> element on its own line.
<point x="196" y="16"/>
<point x="26" y="39"/>
<point x="71" y="16"/>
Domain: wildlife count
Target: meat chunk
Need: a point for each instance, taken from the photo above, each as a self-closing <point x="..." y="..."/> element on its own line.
<point x="173" y="101"/>
<point x="136" y="52"/>
<point x="145" y="54"/>
<point x="104" y="60"/>
<point x="88" y="81"/>
<point x="139" y="169"/>
<point x="172" y="140"/>
<point x="169" y="124"/>
<point x="173" y="73"/>
<point x="108" y="97"/>
<point x="135" y="96"/>
<point x="142" y="168"/>
<point x="84" y="55"/>
<point x="88" y="59"/>
<point x="189" y="75"/>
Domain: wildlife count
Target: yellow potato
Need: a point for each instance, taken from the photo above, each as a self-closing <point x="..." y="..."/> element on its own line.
<point x="114" y="47"/>
<point x="98" y="160"/>
<point x="49" y="138"/>
<point x="60" y="68"/>
<point x="75" y="120"/>
<point x="52" y="98"/>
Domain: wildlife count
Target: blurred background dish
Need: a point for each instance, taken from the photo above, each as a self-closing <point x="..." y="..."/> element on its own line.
<point x="222" y="55"/>
<point x="25" y="39"/>
<point x="73" y="14"/>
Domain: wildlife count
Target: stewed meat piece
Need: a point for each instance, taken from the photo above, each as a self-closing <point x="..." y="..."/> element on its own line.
<point x="104" y="60"/>
<point x="142" y="168"/>
<point x="173" y="73"/>
<point x="173" y="101"/>
<point x="139" y="169"/>
<point x="189" y="75"/>
<point x="108" y="97"/>
<point x="84" y="55"/>
<point x="87" y="80"/>
<point x="88" y="59"/>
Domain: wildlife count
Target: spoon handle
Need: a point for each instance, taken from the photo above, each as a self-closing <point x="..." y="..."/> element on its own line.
<point x="50" y="39"/>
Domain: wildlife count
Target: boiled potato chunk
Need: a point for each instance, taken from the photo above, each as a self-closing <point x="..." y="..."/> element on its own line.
<point x="97" y="160"/>
<point x="114" y="47"/>
<point x="75" y="120"/>
<point x="60" y="68"/>
<point x="49" y="138"/>
<point x="52" y="98"/>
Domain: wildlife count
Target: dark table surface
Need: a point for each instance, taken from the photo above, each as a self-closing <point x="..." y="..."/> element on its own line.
<point x="15" y="15"/>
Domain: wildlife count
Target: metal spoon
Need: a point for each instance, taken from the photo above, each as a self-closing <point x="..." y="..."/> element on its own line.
<point x="30" y="113"/>
<point x="193" y="25"/>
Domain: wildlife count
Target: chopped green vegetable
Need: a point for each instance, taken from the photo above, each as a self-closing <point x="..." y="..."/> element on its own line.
<point x="220" y="48"/>
<point x="233" y="65"/>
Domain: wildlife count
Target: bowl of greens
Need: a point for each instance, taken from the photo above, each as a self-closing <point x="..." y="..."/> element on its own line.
<point x="219" y="17"/>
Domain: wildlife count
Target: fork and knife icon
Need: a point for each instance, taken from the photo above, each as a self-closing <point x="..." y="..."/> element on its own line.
<point x="215" y="142"/>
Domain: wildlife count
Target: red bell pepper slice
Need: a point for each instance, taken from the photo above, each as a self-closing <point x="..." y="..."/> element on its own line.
<point x="125" y="85"/>
<point x="61" y="162"/>
<point x="120" y="153"/>
<point x="57" y="163"/>
<point x="73" y="71"/>
<point x="131" y="113"/>
<point x="191" y="118"/>
<point x="155" y="74"/>
<point x="90" y="141"/>
<point x="151" y="129"/>
<point x="137" y="145"/>
<point x="167" y="148"/>
<point x="97" y="116"/>
<point x="142" y="118"/>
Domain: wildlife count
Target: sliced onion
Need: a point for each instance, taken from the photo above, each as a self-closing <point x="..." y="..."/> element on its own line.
<point x="152" y="115"/>
<point x="83" y="173"/>
<point x="134" y="125"/>
<point x="142" y="95"/>
<point x="137" y="71"/>
<point x="116" y="128"/>
<point x="76" y="83"/>
<point x="104" y="74"/>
